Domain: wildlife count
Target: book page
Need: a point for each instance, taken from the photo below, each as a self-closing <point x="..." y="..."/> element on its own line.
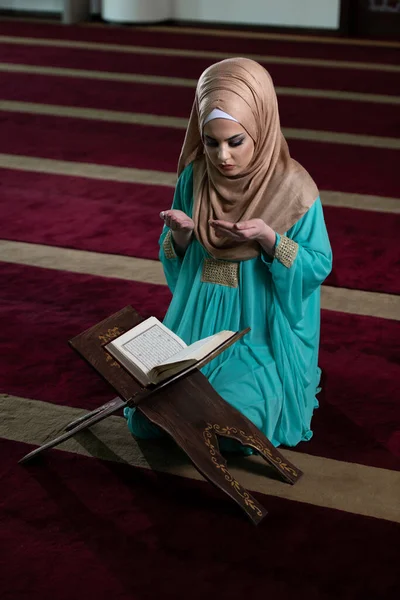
<point x="141" y="348"/>
<point x="151" y="347"/>
<point x="199" y="349"/>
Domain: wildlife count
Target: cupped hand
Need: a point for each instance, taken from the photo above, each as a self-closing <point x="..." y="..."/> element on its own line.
<point x="243" y="231"/>
<point x="177" y="220"/>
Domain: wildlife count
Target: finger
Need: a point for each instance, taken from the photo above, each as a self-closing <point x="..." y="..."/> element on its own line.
<point x="166" y="217"/>
<point x="187" y="224"/>
<point x="243" y="225"/>
<point x="247" y="234"/>
<point x="224" y="224"/>
<point x="178" y="221"/>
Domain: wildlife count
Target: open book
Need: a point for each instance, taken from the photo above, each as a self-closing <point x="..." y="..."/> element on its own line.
<point x="151" y="352"/>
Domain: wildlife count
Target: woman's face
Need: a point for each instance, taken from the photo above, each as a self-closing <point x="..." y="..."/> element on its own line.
<point x="228" y="146"/>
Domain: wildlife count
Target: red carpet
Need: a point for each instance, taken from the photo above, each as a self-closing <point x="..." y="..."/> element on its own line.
<point x="64" y="304"/>
<point x="191" y="68"/>
<point x="135" y="97"/>
<point x="341" y="167"/>
<point x="115" y="531"/>
<point x="76" y="526"/>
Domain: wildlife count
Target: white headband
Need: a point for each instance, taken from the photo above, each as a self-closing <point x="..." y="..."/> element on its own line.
<point x="218" y="114"/>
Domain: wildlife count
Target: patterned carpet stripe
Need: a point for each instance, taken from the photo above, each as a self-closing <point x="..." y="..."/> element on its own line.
<point x="341" y="167"/>
<point x="138" y="97"/>
<point x="319" y="110"/>
<point x="107" y="76"/>
<point x="339" y="95"/>
<point x="361" y="202"/>
<point x="359" y="88"/>
<point x="160" y="178"/>
<point x="186" y="53"/>
<point x="87" y="170"/>
<point x="84" y="214"/>
<point x="332" y="137"/>
<point x="341" y="138"/>
<point x="298" y="38"/>
<point x="369" y="491"/>
<point x="385" y="306"/>
<point x="127" y="95"/>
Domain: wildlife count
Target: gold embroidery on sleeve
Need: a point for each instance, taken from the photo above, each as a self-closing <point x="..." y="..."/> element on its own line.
<point x="286" y="251"/>
<point x="168" y="246"/>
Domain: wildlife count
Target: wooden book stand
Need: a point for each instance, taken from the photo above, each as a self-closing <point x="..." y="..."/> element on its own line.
<point x="185" y="406"/>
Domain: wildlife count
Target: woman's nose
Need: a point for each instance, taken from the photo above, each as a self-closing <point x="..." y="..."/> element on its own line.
<point x="223" y="153"/>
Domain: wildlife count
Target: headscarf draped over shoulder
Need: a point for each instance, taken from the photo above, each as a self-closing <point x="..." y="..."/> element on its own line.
<point x="273" y="187"/>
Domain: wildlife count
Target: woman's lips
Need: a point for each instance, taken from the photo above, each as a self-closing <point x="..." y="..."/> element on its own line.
<point x="227" y="167"/>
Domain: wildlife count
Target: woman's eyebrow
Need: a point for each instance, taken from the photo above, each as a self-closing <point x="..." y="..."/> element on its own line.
<point x="227" y="139"/>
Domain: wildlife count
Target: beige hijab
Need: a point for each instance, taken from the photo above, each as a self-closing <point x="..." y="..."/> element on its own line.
<point x="274" y="187"/>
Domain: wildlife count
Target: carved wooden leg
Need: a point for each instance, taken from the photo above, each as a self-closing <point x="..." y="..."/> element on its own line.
<point x="217" y="472"/>
<point x="193" y="414"/>
<point x="201" y="446"/>
<point x="227" y="421"/>
<point x="249" y="435"/>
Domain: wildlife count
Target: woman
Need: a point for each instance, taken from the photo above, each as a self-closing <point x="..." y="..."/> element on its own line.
<point x="245" y="245"/>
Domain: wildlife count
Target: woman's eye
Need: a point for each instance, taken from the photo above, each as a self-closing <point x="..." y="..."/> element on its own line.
<point x="235" y="144"/>
<point x="214" y="144"/>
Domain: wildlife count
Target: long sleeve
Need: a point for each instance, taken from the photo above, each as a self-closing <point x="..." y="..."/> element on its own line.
<point x="168" y="255"/>
<point x="303" y="259"/>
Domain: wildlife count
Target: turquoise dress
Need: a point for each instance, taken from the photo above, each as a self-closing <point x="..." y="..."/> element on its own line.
<point x="271" y="375"/>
